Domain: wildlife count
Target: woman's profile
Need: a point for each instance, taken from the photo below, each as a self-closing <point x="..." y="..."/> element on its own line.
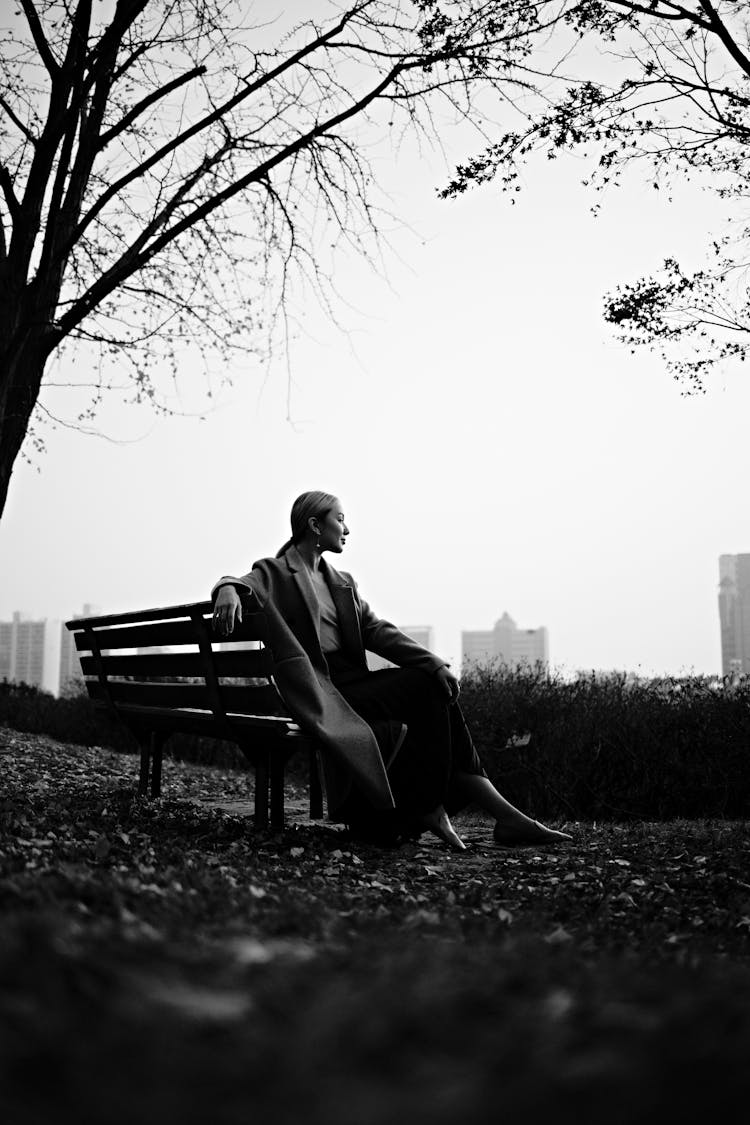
<point x="398" y="758"/>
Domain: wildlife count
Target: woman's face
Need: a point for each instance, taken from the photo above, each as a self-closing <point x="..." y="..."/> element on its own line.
<point x="333" y="530"/>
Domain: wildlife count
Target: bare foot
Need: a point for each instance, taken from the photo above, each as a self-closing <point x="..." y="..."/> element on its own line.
<point x="525" y="835"/>
<point x="439" y="823"/>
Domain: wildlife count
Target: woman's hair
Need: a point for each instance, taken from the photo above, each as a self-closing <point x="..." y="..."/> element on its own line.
<point x="310" y="505"/>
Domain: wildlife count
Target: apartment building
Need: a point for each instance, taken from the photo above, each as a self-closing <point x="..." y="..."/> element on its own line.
<point x="734" y="613"/>
<point x="30" y="652"/>
<point x="505" y="644"/>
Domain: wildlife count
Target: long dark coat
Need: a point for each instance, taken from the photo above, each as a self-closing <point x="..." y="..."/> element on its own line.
<point x="284" y="593"/>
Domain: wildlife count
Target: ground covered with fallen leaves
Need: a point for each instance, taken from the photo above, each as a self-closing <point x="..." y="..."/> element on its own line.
<point x="161" y="961"/>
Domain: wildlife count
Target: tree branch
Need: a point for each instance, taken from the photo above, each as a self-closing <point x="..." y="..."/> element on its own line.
<point x="62" y="124"/>
<point x="40" y="41"/>
<point x="135" y="258"/>
<point x="73" y="73"/>
<point x="205" y="122"/>
<point x="678" y="14"/>
<point x="54" y="130"/>
<point x="721" y="30"/>
<point x="6" y="183"/>
<point x="17" y="121"/>
<point x="144" y="104"/>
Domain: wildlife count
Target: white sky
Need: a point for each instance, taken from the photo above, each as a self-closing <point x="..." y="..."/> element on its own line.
<point x="494" y="447"/>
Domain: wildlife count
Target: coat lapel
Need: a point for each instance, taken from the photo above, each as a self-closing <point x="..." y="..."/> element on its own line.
<point x="301" y="580"/>
<point x="343" y="598"/>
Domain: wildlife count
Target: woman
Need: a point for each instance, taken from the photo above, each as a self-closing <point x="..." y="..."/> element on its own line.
<point x="399" y="758"/>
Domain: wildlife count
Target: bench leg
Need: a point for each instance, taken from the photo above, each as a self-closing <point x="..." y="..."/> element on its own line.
<point x="157" y="744"/>
<point x="261" y="789"/>
<point x="145" y="764"/>
<point x="152" y="743"/>
<point x="316" y="789"/>
<point x="277" y="789"/>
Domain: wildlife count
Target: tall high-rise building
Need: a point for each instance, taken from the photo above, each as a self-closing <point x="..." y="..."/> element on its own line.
<point x="70" y="665"/>
<point x="30" y="652"/>
<point x="422" y="634"/>
<point x="734" y="613"/>
<point x="506" y="644"/>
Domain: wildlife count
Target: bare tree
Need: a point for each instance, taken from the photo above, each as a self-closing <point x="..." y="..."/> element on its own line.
<point x="679" y="107"/>
<point x="162" y="164"/>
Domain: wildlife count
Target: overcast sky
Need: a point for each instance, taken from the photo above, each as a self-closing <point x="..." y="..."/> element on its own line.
<point x="495" y="448"/>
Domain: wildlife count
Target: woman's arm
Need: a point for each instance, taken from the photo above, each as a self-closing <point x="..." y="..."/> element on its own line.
<point x="227" y="610"/>
<point x="227" y="602"/>
<point x="384" y="639"/>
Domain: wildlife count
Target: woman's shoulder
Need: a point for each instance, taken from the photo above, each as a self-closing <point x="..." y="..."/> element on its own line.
<point x="270" y="563"/>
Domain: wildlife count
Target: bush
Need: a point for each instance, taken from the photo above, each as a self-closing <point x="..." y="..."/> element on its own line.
<point x="74" y="718"/>
<point x="70" y="719"/>
<point x="600" y="747"/>
<point x="610" y="747"/>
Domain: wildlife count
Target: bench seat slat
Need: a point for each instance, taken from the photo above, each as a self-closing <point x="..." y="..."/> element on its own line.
<point x="184" y="719"/>
<point x="262" y="699"/>
<point x="250" y="662"/>
<point x="137" y="636"/>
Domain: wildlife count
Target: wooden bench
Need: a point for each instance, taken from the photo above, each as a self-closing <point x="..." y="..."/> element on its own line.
<point x="163" y="671"/>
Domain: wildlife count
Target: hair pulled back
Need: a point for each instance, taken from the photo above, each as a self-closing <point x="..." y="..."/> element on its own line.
<point x="310" y="505"/>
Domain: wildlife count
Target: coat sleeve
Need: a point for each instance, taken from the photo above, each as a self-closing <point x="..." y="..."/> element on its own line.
<point x="253" y="584"/>
<point x="386" y="640"/>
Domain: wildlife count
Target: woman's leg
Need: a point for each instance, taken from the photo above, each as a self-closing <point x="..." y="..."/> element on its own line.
<point x="438" y="765"/>
<point x="420" y="774"/>
<point x="511" y="825"/>
<point x="470" y="785"/>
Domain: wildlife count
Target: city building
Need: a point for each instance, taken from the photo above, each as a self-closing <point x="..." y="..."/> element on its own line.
<point x="422" y="634"/>
<point x="505" y="644"/>
<point x="30" y="652"/>
<point x="70" y="665"/>
<point x="734" y="613"/>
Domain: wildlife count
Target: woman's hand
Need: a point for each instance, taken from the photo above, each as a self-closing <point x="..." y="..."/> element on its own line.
<point x="227" y="611"/>
<point x="448" y="683"/>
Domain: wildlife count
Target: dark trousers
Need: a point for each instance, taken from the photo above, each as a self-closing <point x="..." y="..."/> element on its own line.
<point x="438" y="744"/>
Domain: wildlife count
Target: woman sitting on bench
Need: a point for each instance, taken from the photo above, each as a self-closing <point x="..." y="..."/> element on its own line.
<point x="398" y="757"/>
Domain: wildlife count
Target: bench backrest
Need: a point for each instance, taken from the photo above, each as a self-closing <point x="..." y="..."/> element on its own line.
<point x="170" y="657"/>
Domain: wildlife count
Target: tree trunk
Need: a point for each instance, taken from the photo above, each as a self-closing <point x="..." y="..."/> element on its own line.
<point x="21" y="372"/>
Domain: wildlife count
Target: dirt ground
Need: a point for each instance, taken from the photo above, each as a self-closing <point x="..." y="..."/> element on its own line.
<point x="163" y="961"/>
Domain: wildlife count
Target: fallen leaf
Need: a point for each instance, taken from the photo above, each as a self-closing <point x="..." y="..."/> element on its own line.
<point x="558" y="936"/>
<point x="207" y="1005"/>
<point x="422" y="918"/>
<point x="558" y="1003"/>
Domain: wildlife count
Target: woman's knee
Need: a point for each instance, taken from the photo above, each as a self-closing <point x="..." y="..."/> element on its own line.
<point x="433" y="687"/>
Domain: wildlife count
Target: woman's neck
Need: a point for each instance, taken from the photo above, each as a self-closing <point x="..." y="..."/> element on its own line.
<point x="311" y="556"/>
